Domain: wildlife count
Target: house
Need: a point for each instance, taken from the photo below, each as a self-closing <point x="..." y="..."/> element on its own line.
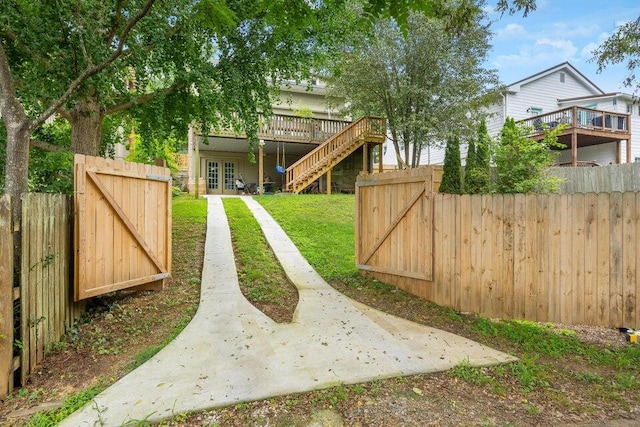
<point x="599" y="124"/>
<point x="304" y="146"/>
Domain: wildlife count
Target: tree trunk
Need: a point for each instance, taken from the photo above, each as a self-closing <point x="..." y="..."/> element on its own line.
<point x="86" y="126"/>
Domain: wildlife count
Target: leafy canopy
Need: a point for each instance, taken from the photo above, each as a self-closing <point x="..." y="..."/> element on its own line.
<point x="428" y="82"/>
<point x="522" y="163"/>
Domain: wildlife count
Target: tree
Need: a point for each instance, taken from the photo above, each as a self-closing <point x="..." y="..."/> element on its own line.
<point x="451" y="176"/>
<point x="428" y="82"/>
<point x="623" y="45"/>
<point x="522" y="163"/>
<point x="477" y="176"/>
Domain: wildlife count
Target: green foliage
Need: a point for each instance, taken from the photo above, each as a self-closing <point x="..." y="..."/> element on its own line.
<point x="51" y="171"/>
<point x="470" y="374"/>
<point x="521" y="162"/>
<point x="258" y="271"/>
<point x="70" y="405"/>
<point x="622" y="46"/>
<point x="150" y="149"/>
<point x="477" y="178"/>
<point x="529" y="373"/>
<point x="325" y="240"/>
<point x="451" y="176"/>
<point x="427" y="81"/>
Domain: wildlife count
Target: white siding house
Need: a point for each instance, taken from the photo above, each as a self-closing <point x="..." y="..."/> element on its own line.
<point x="560" y="87"/>
<point x="547" y="91"/>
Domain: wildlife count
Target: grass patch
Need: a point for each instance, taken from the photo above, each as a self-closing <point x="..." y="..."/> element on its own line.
<point x="262" y="279"/>
<point x="70" y="405"/>
<point x="322" y="227"/>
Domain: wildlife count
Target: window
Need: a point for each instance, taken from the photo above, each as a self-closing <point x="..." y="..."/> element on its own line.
<point x="629" y="108"/>
<point x="561" y="77"/>
<point x="535" y="111"/>
<point x="615" y="101"/>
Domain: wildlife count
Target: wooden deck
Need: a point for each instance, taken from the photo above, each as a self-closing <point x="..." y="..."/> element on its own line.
<point x="291" y="129"/>
<point x="585" y="127"/>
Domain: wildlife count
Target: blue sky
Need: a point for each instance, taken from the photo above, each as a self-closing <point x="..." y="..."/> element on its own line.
<point x="559" y="31"/>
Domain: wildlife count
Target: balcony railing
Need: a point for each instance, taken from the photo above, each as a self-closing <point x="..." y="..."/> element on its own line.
<point x="291" y="129"/>
<point x="580" y="118"/>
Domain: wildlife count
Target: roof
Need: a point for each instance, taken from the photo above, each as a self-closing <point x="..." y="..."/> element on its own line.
<point x="595" y="97"/>
<point x="566" y="66"/>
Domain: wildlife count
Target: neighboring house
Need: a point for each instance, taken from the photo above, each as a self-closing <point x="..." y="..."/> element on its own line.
<point x="599" y="124"/>
<point x="304" y="146"/>
<point x="602" y="130"/>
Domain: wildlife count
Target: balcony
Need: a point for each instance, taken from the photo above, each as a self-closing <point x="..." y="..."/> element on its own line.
<point x="585" y="127"/>
<point x="291" y="129"/>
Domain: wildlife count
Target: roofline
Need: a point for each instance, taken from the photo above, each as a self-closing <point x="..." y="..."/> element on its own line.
<point x="557" y="67"/>
<point x="604" y="95"/>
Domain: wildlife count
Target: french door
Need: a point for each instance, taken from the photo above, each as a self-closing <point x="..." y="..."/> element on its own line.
<point x="221" y="176"/>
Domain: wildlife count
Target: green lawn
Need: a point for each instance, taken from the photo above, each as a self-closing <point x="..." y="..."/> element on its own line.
<point x="322" y="227"/>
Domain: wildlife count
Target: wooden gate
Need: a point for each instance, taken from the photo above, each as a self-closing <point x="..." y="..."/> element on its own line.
<point x="393" y="224"/>
<point x="122" y="228"/>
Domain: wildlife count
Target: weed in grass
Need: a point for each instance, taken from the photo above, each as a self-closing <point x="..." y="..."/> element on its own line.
<point x="529" y="373"/>
<point x="626" y="381"/>
<point x="470" y="374"/>
<point x="533" y="410"/>
<point x="590" y="377"/>
<point x="70" y="405"/>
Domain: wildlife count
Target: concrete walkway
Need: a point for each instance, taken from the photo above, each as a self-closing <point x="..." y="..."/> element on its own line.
<point x="231" y="352"/>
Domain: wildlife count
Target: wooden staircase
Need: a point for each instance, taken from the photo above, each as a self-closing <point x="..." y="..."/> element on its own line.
<point x="327" y="155"/>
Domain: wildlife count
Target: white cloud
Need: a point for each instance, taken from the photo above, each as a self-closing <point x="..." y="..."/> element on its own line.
<point x="568" y="31"/>
<point x="563" y="48"/>
<point x="587" y="51"/>
<point x="511" y="30"/>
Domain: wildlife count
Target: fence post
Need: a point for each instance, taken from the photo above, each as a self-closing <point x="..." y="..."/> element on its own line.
<point x="6" y="297"/>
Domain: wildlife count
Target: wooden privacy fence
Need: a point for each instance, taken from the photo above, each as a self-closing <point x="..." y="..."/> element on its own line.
<point x="566" y="258"/>
<point x="600" y="179"/>
<point x="46" y="306"/>
<point x="42" y="301"/>
<point x="6" y="297"/>
<point x="393" y="217"/>
<point x="122" y="239"/>
<point x="122" y="227"/>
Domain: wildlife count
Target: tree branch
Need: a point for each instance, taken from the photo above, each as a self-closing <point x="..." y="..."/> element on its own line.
<point x="142" y="99"/>
<point x="24" y="48"/>
<point x="91" y="71"/>
<point x="46" y="146"/>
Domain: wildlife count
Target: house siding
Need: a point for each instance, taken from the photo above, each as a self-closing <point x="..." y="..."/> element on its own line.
<point x="544" y="93"/>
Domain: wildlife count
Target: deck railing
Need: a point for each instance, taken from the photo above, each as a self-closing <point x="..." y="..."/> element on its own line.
<point x="325" y="155"/>
<point x="291" y="129"/>
<point x="579" y="117"/>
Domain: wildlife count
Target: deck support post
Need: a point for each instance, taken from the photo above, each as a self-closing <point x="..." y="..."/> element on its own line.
<point x="380" y="165"/>
<point x="574" y="149"/>
<point x="365" y="157"/>
<point x="261" y="167"/>
<point x="628" y="151"/>
<point x="329" y="181"/>
<point x="618" y="152"/>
